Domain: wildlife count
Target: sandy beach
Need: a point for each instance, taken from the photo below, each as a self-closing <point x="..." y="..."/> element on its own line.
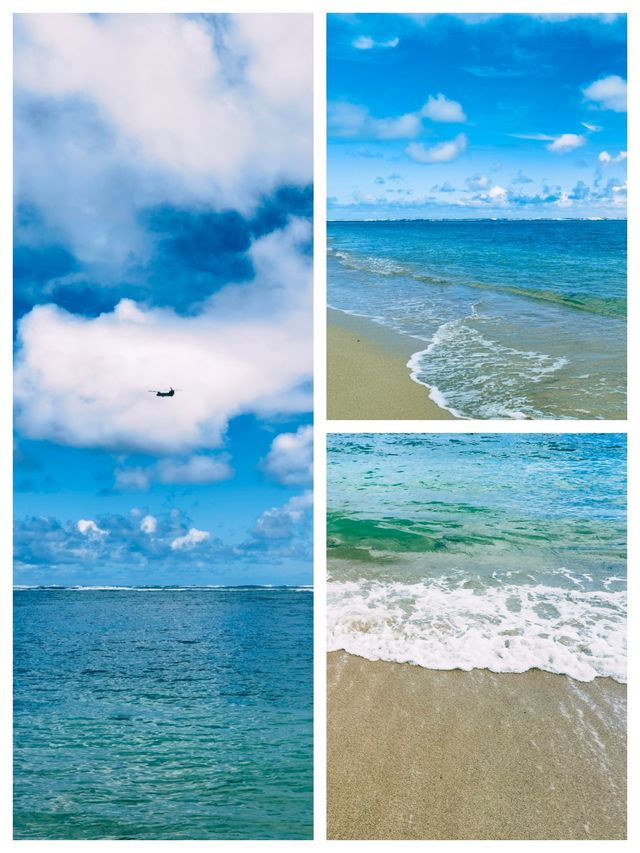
<point x="367" y="375"/>
<point x="416" y="753"/>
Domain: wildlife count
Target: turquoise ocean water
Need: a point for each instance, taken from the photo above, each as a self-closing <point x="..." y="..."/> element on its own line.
<point x="500" y="552"/>
<point x="518" y="319"/>
<point x="163" y="713"/>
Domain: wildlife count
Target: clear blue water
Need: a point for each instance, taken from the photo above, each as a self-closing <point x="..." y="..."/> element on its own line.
<point x="163" y="714"/>
<point x="518" y="319"/>
<point x="504" y="552"/>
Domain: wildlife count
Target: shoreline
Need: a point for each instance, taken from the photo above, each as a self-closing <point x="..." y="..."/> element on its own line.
<point x="445" y="754"/>
<point x="367" y="373"/>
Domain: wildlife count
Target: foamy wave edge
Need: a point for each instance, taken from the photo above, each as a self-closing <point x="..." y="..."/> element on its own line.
<point x="581" y="634"/>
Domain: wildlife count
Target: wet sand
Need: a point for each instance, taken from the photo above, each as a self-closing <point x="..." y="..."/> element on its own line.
<point x="416" y="753"/>
<point x="367" y="373"/>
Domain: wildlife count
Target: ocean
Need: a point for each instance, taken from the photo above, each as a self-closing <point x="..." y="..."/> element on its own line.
<point x="513" y="319"/>
<point x="163" y="713"/>
<point x="498" y="552"/>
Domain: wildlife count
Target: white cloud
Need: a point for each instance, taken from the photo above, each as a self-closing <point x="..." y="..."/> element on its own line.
<point x="149" y="524"/>
<point x="89" y="528"/>
<point x="229" y="130"/>
<point x="497" y="193"/>
<point x="608" y="93"/>
<point x="351" y="120"/>
<point x="280" y="522"/>
<point x="441" y="108"/>
<point x="441" y="153"/>
<point x="290" y="459"/>
<point x="83" y="381"/>
<point x="132" y="479"/>
<point x="566" y="142"/>
<point x="367" y="43"/>
<point x="594" y="128"/>
<point x="559" y="144"/>
<point x="605" y="157"/>
<point x="402" y="127"/>
<point x="197" y="469"/>
<point x="190" y="539"/>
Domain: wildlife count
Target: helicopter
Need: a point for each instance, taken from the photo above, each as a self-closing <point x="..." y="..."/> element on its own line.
<point x="168" y="393"/>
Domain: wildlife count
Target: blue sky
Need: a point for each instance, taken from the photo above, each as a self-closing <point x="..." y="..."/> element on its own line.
<point x="163" y="238"/>
<point x="476" y="115"/>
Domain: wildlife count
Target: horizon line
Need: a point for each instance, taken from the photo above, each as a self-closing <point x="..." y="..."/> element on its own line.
<point x="487" y="219"/>
<point x="158" y="586"/>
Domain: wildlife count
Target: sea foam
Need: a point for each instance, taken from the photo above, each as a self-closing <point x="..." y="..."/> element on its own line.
<point x="512" y="628"/>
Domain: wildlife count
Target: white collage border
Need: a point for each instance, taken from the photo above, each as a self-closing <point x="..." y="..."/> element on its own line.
<point x="631" y="426"/>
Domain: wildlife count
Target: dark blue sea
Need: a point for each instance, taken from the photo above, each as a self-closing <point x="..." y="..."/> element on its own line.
<point x="163" y="713"/>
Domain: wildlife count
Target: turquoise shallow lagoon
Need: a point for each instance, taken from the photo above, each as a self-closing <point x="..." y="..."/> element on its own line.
<point x="501" y="552"/>
<point x="163" y="713"/>
<point x="511" y="319"/>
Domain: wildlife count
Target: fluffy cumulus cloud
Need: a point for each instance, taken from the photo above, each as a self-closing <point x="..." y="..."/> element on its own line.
<point x="443" y="152"/>
<point x="611" y="196"/>
<point x="282" y="522"/>
<point x="608" y="93"/>
<point x="290" y="459"/>
<point x="227" y="111"/>
<point x="84" y="382"/>
<point x="497" y="193"/>
<point x="190" y="539"/>
<point x="566" y="142"/>
<point x="347" y="120"/>
<point x="351" y="120"/>
<point x="163" y="238"/>
<point x="441" y="108"/>
<point x="149" y="524"/>
<point x="88" y="527"/>
<point x="560" y="144"/>
<point x="556" y="172"/>
<point x="606" y="158"/>
<point x="48" y="548"/>
<point x="138" y="546"/>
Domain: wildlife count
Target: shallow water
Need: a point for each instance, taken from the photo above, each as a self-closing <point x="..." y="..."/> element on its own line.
<point x="164" y="713"/>
<point x="505" y="552"/>
<point x="520" y="319"/>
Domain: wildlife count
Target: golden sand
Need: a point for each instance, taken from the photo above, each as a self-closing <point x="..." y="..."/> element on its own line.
<point x="367" y="376"/>
<point x="417" y="753"/>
